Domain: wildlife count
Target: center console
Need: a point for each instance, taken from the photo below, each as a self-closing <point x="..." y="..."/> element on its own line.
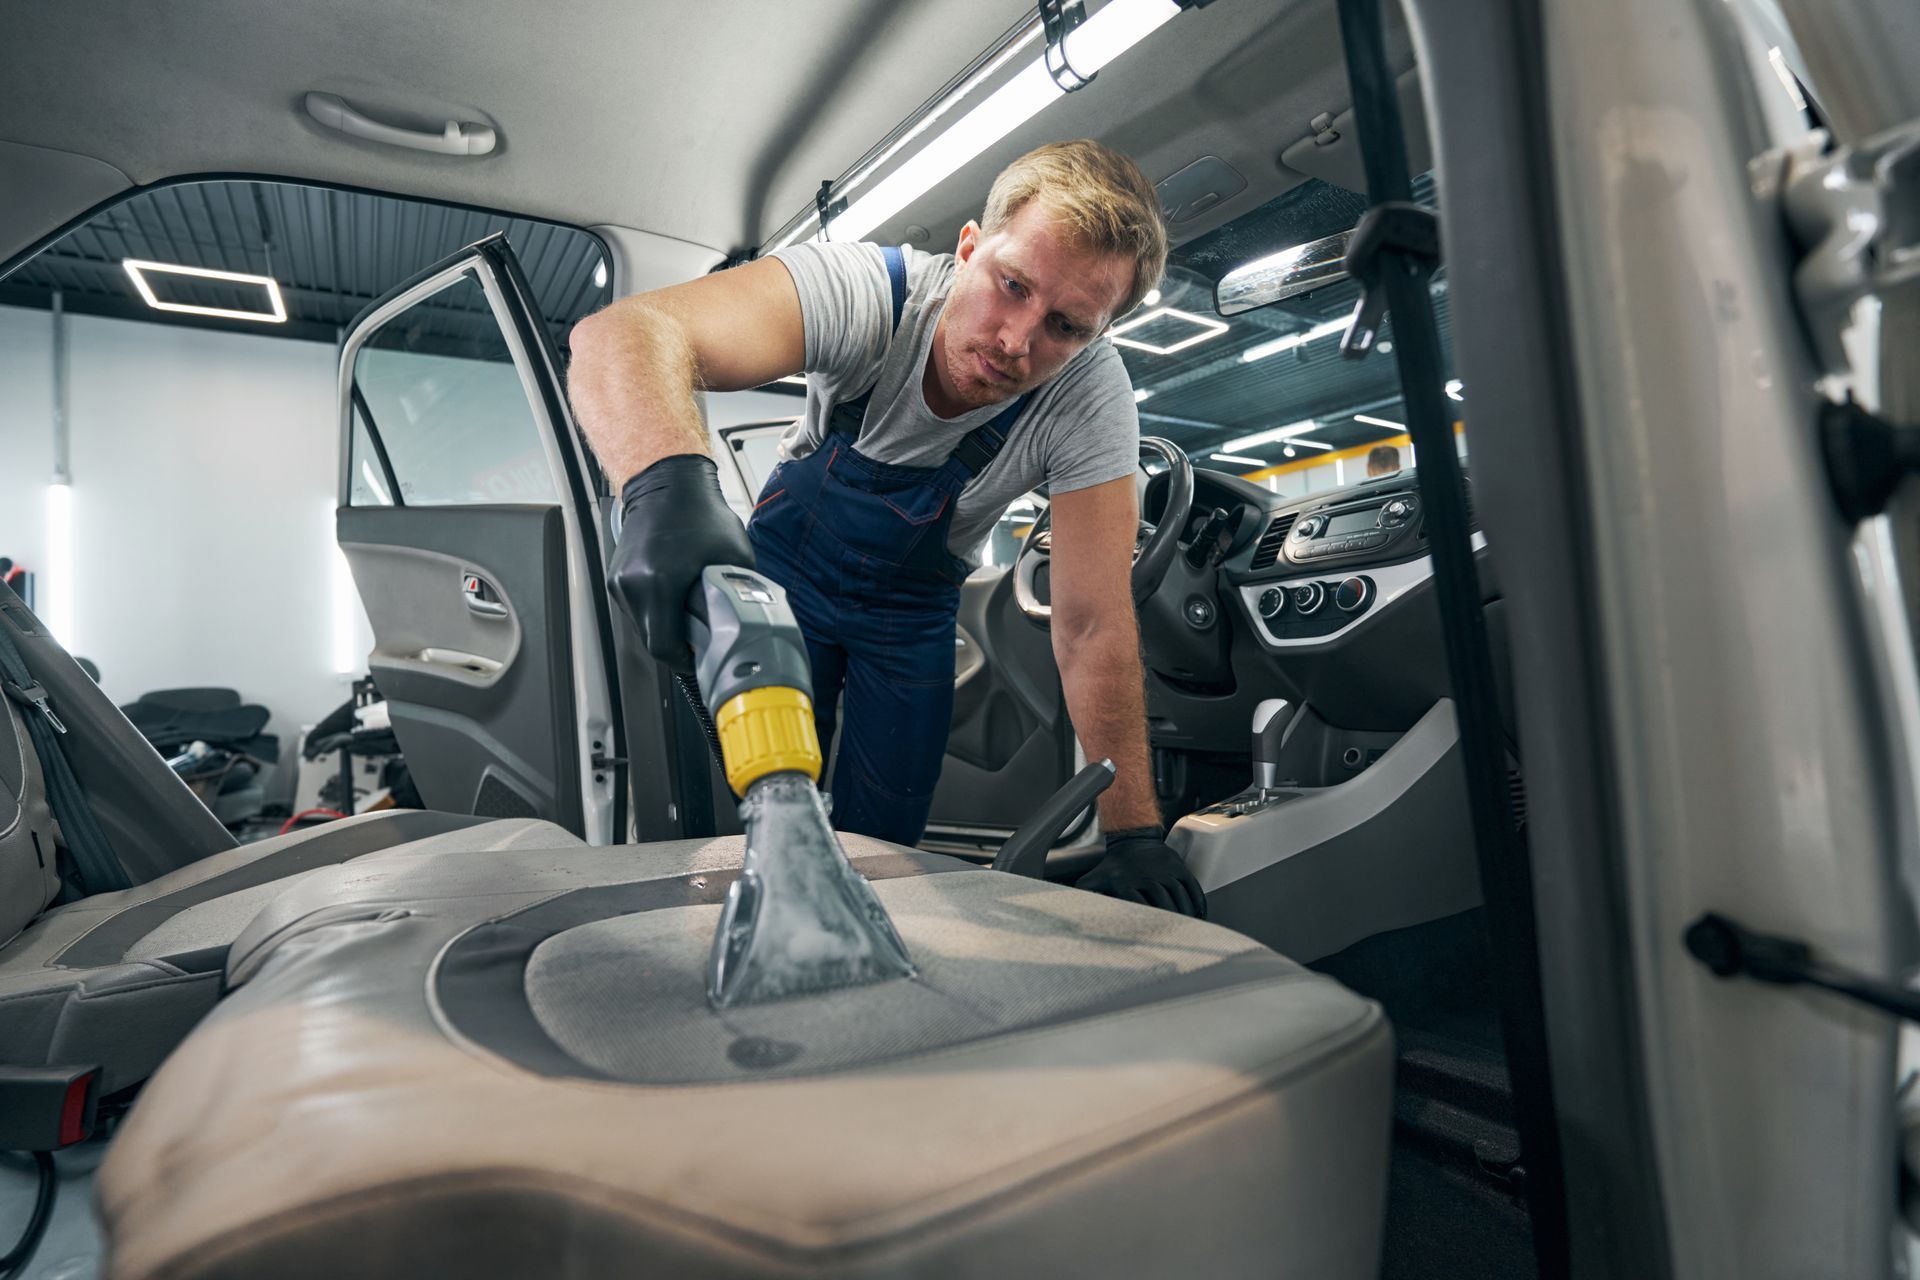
<point x="1340" y="837"/>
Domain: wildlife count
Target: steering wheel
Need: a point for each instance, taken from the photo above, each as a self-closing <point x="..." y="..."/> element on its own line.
<point x="1153" y="545"/>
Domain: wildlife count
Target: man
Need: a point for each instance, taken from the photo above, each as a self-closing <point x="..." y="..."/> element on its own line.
<point x="1382" y="460"/>
<point x="940" y="388"/>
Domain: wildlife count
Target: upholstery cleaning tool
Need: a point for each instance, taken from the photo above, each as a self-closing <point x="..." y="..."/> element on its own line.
<point x="799" y="919"/>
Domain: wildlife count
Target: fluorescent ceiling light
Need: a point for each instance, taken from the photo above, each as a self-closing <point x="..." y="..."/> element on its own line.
<point x="798" y="380"/>
<point x="136" y="268"/>
<point x="1091" y="46"/>
<point x="58" y="610"/>
<point x="346" y="602"/>
<point x="1209" y="328"/>
<point x="1311" y="444"/>
<point x="1141" y="393"/>
<point x="1273" y="435"/>
<point x="1379" y="422"/>
<point x="1239" y="457"/>
<point x="1455" y="389"/>
<point x="1325" y="329"/>
<point x="600" y="274"/>
<point x="1152" y="299"/>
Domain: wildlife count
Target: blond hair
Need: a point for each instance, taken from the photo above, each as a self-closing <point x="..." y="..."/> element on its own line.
<point x="1098" y="196"/>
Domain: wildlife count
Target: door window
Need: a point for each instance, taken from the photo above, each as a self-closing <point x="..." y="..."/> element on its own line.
<point x="437" y="387"/>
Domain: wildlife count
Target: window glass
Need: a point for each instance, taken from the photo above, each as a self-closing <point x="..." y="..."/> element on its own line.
<point x="367" y="482"/>
<point x="1266" y="394"/>
<point x="443" y="394"/>
<point x="758" y="450"/>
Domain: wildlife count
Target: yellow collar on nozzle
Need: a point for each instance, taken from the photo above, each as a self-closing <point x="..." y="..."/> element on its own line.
<point x="767" y="730"/>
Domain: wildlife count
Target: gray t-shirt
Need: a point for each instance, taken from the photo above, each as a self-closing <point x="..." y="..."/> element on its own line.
<point x="1080" y="429"/>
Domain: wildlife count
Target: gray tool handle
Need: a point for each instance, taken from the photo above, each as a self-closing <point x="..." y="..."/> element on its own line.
<point x="744" y="636"/>
<point x="1025" y="852"/>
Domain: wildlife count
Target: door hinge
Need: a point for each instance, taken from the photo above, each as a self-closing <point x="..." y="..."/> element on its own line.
<point x="1853" y="214"/>
<point x="1731" y="951"/>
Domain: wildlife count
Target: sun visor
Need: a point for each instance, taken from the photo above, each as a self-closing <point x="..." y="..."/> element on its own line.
<point x="1332" y="154"/>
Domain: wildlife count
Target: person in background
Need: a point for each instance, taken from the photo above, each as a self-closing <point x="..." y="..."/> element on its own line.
<point x="1382" y="460"/>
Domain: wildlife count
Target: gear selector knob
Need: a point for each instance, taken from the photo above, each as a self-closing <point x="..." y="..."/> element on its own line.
<point x="1270" y="721"/>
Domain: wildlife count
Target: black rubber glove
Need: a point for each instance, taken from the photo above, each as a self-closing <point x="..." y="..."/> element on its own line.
<point x="1139" y="867"/>
<point x="674" y="523"/>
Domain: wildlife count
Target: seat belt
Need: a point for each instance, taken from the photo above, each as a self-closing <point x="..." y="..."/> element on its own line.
<point x="1394" y="252"/>
<point x="92" y="867"/>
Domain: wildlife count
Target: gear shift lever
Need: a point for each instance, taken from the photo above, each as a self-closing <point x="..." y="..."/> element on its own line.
<point x="1270" y="721"/>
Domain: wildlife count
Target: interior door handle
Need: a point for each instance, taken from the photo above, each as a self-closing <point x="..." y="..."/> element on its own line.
<point x="481" y="597"/>
<point x="457" y="139"/>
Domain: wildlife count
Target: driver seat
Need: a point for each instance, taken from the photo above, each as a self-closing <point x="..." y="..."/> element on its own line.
<point x="437" y="1064"/>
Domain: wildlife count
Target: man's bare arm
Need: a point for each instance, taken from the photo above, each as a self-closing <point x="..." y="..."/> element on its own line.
<point x="1096" y="642"/>
<point x="639" y="363"/>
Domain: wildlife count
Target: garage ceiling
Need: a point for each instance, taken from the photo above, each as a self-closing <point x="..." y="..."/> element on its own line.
<point x="332" y="252"/>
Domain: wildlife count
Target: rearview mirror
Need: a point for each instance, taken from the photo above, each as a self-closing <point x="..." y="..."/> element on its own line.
<point x="1283" y="275"/>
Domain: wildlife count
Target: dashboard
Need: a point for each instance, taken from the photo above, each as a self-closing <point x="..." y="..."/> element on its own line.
<point x="1325" y="597"/>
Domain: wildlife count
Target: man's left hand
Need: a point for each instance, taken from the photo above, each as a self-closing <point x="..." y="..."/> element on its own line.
<point x="1140" y="867"/>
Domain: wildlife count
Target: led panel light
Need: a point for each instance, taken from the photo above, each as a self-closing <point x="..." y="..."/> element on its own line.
<point x="1092" y="45"/>
<point x="1370" y="420"/>
<point x="1326" y="329"/>
<point x="1208" y="328"/>
<point x="1238" y="457"/>
<point x="137" y="269"/>
<point x="1456" y="389"/>
<point x="1141" y="393"/>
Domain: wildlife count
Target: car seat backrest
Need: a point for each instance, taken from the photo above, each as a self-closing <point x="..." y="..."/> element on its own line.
<point x="152" y="821"/>
<point x="29" y="879"/>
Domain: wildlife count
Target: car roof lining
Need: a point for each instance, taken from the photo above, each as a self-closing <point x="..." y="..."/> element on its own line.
<point x="210" y="88"/>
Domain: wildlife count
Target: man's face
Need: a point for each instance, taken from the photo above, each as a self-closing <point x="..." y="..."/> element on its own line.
<point x="1025" y="301"/>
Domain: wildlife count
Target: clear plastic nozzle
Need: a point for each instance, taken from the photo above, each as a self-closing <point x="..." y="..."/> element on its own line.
<point x="800" y="918"/>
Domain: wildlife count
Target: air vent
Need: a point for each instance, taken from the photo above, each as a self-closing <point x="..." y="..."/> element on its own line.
<point x="1269" y="549"/>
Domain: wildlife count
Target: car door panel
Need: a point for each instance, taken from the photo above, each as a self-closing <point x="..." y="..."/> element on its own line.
<point x="480" y="697"/>
<point x="1011" y="745"/>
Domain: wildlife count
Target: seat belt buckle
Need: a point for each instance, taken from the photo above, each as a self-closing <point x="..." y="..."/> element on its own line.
<point x="36" y="697"/>
<point x="46" y="1108"/>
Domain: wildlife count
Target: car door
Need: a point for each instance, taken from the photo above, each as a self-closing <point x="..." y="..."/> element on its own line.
<point x="469" y="518"/>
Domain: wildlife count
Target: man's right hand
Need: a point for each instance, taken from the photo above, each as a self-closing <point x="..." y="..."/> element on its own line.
<point x="674" y="523"/>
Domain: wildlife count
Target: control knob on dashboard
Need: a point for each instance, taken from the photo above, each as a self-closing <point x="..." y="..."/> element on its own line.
<point x="1308" y="597"/>
<point x="1307" y="528"/>
<point x="1397" y="511"/>
<point x="1272" y="601"/>
<point x="1353" y="594"/>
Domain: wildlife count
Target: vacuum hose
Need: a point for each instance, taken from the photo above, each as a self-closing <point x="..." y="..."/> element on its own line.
<point x="799" y="919"/>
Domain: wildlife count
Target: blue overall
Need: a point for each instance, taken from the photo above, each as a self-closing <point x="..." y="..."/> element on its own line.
<point x="861" y="547"/>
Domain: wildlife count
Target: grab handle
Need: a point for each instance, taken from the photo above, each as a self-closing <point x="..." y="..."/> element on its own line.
<point x="458" y="138"/>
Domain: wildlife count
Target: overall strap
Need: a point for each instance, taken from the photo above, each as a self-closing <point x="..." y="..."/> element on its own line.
<point x="980" y="446"/>
<point x="897" y="277"/>
<point x="847" y="418"/>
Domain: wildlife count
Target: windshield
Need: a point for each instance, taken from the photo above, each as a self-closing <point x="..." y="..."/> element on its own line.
<point x="1266" y="395"/>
